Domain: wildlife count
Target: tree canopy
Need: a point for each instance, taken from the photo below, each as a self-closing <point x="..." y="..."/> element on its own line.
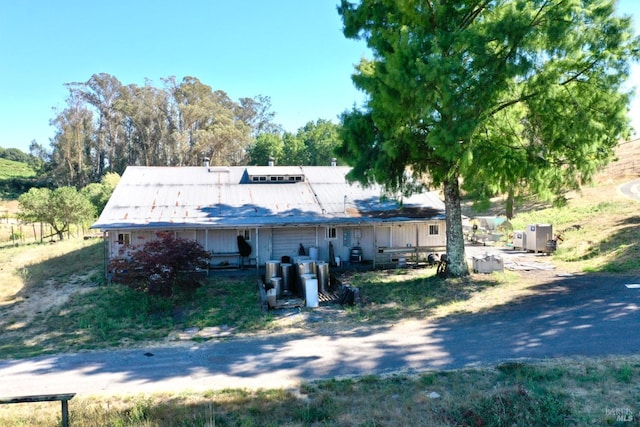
<point x="59" y="208"/>
<point x="314" y="144"/>
<point x="106" y="126"/>
<point x="491" y="95"/>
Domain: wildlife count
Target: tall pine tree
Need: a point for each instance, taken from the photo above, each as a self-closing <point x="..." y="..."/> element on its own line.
<point x="490" y="94"/>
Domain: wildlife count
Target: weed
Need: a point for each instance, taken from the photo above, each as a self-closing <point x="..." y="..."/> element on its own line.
<point x="623" y="374"/>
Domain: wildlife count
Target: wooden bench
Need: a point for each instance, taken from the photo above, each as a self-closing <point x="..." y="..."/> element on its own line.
<point x="64" y="398"/>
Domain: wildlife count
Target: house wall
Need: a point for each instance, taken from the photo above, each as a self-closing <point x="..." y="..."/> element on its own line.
<point x="130" y="239"/>
<point x="273" y="243"/>
<point x="286" y="241"/>
<point x="413" y="234"/>
<point x="433" y="240"/>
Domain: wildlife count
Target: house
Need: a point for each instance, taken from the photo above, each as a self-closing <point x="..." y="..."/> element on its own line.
<point x="276" y="209"/>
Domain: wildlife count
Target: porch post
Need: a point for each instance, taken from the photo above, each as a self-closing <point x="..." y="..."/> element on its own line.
<point x="375" y="246"/>
<point x="257" y="249"/>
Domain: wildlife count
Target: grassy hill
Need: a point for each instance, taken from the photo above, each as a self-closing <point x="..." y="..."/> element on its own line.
<point x="14" y="179"/>
<point x="10" y="169"/>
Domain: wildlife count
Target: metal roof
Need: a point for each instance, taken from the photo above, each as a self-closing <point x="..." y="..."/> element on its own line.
<point x="166" y="197"/>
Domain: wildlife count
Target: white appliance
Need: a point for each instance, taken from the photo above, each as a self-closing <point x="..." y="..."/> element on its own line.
<point x="519" y="239"/>
<point x="536" y="237"/>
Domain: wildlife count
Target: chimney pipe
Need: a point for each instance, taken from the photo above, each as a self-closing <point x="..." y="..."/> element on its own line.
<point x="334" y="161"/>
<point x="205" y="162"/>
<point x="271" y="161"/>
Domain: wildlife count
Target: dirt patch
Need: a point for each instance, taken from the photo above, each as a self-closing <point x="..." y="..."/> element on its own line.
<point x="26" y="305"/>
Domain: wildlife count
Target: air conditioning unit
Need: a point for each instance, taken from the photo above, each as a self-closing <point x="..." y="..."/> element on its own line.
<point x="536" y="237"/>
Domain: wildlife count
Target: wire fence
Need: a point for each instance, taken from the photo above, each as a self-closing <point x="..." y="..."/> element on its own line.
<point x="13" y="232"/>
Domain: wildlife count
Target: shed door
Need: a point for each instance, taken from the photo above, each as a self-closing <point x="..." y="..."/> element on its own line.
<point x="286" y="241"/>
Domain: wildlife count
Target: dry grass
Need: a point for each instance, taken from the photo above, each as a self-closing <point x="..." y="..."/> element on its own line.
<point x="15" y="263"/>
<point x="626" y="163"/>
<point x="607" y="236"/>
<point x="567" y="392"/>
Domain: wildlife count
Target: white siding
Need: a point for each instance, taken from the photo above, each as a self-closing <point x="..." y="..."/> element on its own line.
<point x="427" y="239"/>
<point x="286" y="241"/>
<point x="223" y="241"/>
<point x="383" y="236"/>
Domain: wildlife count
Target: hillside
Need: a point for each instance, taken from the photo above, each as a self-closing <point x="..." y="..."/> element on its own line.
<point x="626" y="163"/>
<point x="12" y="178"/>
<point x="11" y="169"/>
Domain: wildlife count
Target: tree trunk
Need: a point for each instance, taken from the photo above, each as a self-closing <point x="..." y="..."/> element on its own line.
<point x="455" y="238"/>
<point x="510" y="202"/>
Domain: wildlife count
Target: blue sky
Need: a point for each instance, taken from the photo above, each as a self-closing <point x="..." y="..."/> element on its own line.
<point x="290" y="50"/>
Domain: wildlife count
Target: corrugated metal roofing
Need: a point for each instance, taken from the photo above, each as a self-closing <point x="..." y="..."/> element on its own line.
<point x="223" y="197"/>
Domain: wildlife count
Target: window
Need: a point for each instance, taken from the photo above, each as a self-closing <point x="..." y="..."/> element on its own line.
<point x="332" y="233"/>
<point x="246" y="234"/>
<point x="434" y="230"/>
<point x="124" y="239"/>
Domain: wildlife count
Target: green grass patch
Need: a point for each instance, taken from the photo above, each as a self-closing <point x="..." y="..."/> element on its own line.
<point x="225" y="301"/>
<point x="417" y="294"/>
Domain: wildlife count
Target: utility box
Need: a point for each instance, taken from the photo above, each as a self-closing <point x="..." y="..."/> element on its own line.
<point x="519" y="239"/>
<point x="536" y="237"/>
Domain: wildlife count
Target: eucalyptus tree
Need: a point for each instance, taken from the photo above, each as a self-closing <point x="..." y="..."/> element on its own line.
<point x="227" y="137"/>
<point x="496" y="93"/>
<point x="257" y="114"/>
<point x="71" y="162"/>
<point x="102" y="92"/>
<point x="146" y="110"/>
<point x="207" y="124"/>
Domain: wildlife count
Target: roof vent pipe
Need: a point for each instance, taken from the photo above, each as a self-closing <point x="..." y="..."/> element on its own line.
<point x="334" y="161"/>
<point x="271" y="161"/>
<point x="205" y="162"/>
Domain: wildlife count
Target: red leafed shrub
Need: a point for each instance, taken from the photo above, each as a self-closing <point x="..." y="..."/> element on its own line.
<point x="161" y="266"/>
